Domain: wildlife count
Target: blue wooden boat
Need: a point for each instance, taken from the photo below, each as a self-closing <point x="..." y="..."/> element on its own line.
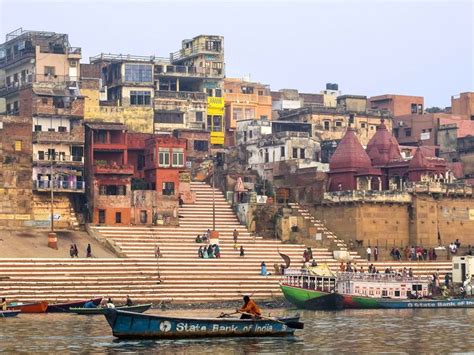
<point x="136" y="325"/>
<point x="427" y="303"/>
<point x="64" y="307"/>
<point x="4" y="314"/>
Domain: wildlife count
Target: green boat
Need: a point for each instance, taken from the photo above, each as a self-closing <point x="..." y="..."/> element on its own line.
<point x="139" y="308"/>
<point x="319" y="289"/>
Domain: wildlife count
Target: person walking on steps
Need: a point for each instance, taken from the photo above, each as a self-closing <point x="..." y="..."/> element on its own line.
<point x="369" y="252"/>
<point x="89" y="251"/>
<point x="235" y="235"/>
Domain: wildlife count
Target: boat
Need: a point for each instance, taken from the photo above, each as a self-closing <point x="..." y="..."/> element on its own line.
<point x="32" y="307"/>
<point x="427" y="303"/>
<point x="4" y="314"/>
<point x="317" y="288"/>
<point x="139" y="308"/>
<point x="135" y="325"/>
<point x="64" y="307"/>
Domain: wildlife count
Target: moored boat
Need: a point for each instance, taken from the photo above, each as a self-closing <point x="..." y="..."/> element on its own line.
<point x="427" y="303"/>
<point x="64" y="307"/>
<point x="32" y="307"/>
<point x="135" y="325"/>
<point x="139" y="308"/>
<point x="319" y="289"/>
<point x="4" y="314"/>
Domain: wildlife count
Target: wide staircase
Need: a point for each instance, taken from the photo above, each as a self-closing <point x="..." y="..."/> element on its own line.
<point x="179" y="276"/>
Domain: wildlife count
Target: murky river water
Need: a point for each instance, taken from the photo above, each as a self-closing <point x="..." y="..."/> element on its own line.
<point x="358" y="331"/>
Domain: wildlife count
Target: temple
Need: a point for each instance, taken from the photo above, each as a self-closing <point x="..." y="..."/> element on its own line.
<point x="381" y="166"/>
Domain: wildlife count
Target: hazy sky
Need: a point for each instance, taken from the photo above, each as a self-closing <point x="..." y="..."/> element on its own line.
<point x="367" y="47"/>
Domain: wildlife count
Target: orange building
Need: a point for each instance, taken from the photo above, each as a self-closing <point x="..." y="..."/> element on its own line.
<point x="245" y="100"/>
<point x="463" y="105"/>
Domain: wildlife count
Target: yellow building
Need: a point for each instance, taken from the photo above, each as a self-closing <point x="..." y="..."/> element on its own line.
<point x="215" y="119"/>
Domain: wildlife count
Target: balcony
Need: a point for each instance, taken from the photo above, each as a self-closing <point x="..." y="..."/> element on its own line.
<point x="115" y="169"/>
<point x="13" y="58"/>
<point x="187" y="71"/>
<point x="180" y="95"/>
<point x="194" y="50"/>
<point x="59" y="159"/>
<point x="59" y="186"/>
<point x="74" y="52"/>
<point x="30" y="79"/>
<point x="74" y="137"/>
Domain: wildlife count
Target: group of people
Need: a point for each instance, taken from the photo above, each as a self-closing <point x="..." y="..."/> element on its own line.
<point x="454" y="246"/>
<point x="74" y="252"/>
<point x="369" y="253"/>
<point x="209" y="252"/>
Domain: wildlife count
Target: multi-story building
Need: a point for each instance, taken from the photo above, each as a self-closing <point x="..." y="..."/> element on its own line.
<point x="133" y="178"/>
<point x="397" y="105"/>
<point x="290" y="99"/>
<point x="34" y="56"/>
<point x="244" y="100"/>
<point x="156" y="94"/>
<point x="463" y="105"/>
<point x="330" y="95"/>
<point x="332" y="123"/>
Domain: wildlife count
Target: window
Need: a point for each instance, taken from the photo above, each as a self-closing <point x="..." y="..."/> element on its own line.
<point x="420" y="109"/>
<point x="73" y="63"/>
<point x="282" y="152"/>
<point x="15" y="106"/>
<point x="164" y="157"/>
<point x="238" y="114"/>
<point x="407" y="132"/>
<point x="178" y="157"/>
<point x="49" y="71"/>
<point x="260" y="92"/>
<point x="112" y="190"/>
<point x="395" y="132"/>
<point x="199" y="116"/>
<point x="138" y="73"/>
<point x="174" y="117"/>
<point x="62" y="129"/>
<point x="384" y="293"/>
<point x="245" y="136"/>
<point x="363" y="125"/>
<point x="214" y="123"/>
<point x="140" y="98"/>
<point x="38" y="128"/>
<point x="143" y="217"/>
<point x="44" y="100"/>
<point x="40" y="155"/>
<point x="267" y="156"/>
<point x="118" y="217"/>
<point x="338" y="124"/>
<point x="213" y="46"/>
<point x="218" y="93"/>
<point x="201" y="146"/>
<point x="18" y="146"/>
<point x="101" y="216"/>
<point x="250" y="134"/>
<point x="414" y="108"/>
<point x="326" y="125"/>
<point x="168" y="188"/>
<point x="302" y="153"/>
<point x="51" y="130"/>
<point x="15" y="77"/>
<point x="246" y="90"/>
<point x="397" y="293"/>
<point x="295" y="153"/>
<point x="263" y="117"/>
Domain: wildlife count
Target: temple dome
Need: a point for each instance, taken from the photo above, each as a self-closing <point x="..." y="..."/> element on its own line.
<point x="419" y="161"/>
<point x="349" y="154"/>
<point x="383" y="147"/>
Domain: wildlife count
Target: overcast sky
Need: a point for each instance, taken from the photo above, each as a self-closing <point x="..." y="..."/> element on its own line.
<point x="367" y="47"/>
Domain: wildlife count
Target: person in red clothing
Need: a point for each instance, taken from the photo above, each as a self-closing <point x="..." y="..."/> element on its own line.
<point x="249" y="307"/>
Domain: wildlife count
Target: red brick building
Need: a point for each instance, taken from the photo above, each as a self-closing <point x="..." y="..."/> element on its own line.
<point x="108" y="173"/>
<point x="133" y="178"/>
<point x="397" y="105"/>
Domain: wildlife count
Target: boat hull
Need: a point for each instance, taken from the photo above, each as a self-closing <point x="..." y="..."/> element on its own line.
<point x="312" y="299"/>
<point x="139" y="308"/>
<point x="414" y="304"/>
<point x="360" y="302"/>
<point x="36" y="307"/>
<point x="135" y="325"/>
<point x="4" y="314"/>
<point x="64" y="307"/>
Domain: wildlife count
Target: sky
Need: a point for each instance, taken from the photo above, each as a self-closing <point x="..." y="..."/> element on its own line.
<point x="418" y="47"/>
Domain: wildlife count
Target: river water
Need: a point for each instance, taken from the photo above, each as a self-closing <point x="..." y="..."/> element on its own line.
<point x="358" y="331"/>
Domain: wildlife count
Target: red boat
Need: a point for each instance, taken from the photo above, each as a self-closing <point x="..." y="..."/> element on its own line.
<point x="33" y="307"/>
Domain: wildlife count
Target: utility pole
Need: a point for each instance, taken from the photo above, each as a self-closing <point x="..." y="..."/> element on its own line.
<point x="52" y="238"/>
<point x="213" y="195"/>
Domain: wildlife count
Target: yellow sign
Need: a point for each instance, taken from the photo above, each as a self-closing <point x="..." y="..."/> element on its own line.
<point x="17" y="146"/>
<point x="471" y="214"/>
<point x="7" y="216"/>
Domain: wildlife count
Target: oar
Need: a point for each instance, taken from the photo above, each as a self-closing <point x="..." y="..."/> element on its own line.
<point x="223" y="315"/>
<point x="289" y="324"/>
